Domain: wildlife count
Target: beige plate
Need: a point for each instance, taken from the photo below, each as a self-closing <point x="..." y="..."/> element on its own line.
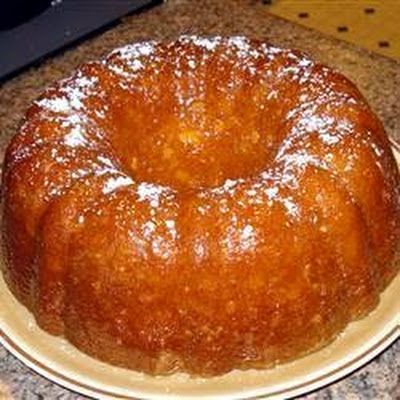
<point x="60" y="362"/>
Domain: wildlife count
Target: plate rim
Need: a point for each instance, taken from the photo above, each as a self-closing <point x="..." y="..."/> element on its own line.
<point x="296" y="390"/>
<point x="319" y="381"/>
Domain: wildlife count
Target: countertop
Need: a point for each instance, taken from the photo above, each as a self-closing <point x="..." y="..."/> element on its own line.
<point x="376" y="76"/>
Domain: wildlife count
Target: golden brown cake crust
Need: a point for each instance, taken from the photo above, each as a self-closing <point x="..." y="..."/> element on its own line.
<point x="200" y="205"/>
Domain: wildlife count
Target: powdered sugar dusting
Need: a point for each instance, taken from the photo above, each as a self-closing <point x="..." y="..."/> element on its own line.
<point x="114" y="183"/>
<point x="171" y="226"/>
<point x="200" y="250"/>
<point x="272" y="192"/>
<point x="237" y="238"/>
<point x="131" y="59"/>
<point x="248" y="238"/>
<point x="75" y="137"/>
<point x="148" y="228"/>
<point x="71" y="97"/>
<point x="291" y="207"/>
<point x="55" y="104"/>
<point x="151" y="193"/>
<point x="132" y="51"/>
<point x="242" y="45"/>
<point x="67" y="107"/>
<point x="207" y="43"/>
<point x="79" y="91"/>
<point x="160" y="236"/>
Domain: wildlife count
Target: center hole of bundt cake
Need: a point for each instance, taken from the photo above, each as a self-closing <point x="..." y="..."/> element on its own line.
<point x="197" y="128"/>
<point x="182" y="154"/>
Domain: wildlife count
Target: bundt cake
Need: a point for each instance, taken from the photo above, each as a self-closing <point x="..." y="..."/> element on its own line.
<point x="200" y="205"/>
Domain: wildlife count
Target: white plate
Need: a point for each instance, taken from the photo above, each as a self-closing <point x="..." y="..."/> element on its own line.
<point x="60" y="362"/>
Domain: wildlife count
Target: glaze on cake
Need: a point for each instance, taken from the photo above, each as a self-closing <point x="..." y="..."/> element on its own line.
<point x="200" y="205"/>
